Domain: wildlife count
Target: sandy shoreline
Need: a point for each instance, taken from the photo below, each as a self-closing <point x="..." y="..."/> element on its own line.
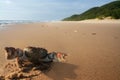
<point x="94" y="49"/>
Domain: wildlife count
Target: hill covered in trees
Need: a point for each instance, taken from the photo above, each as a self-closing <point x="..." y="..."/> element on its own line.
<point x="111" y="10"/>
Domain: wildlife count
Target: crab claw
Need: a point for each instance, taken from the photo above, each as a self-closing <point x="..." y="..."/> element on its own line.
<point x="61" y="57"/>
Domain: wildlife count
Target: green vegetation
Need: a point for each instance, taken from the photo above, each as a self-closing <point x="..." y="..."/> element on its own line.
<point x="111" y="10"/>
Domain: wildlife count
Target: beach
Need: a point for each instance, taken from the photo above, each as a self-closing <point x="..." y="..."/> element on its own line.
<point x="93" y="47"/>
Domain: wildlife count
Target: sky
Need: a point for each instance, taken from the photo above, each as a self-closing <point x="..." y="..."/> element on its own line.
<point x="45" y="10"/>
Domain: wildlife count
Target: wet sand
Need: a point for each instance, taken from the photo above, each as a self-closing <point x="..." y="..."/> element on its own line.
<point x="93" y="48"/>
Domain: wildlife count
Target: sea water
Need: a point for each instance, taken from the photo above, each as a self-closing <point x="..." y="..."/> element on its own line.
<point x="4" y="23"/>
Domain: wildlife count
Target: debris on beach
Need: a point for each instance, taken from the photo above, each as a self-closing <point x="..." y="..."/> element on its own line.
<point x="93" y="33"/>
<point x="75" y="31"/>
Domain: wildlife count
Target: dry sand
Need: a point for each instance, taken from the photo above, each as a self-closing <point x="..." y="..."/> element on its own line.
<point x="93" y="47"/>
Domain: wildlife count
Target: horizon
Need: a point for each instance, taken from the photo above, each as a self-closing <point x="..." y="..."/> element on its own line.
<point x="47" y="10"/>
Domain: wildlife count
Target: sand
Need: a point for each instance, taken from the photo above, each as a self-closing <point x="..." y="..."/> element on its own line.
<point x="93" y="48"/>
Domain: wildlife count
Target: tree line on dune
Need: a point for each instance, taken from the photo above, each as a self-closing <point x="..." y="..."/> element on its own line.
<point x="110" y="10"/>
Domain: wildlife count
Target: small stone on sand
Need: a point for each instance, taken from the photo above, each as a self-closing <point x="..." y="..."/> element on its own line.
<point x="93" y="33"/>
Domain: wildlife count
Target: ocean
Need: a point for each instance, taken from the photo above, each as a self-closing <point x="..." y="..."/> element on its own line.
<point x="3" y="23"/>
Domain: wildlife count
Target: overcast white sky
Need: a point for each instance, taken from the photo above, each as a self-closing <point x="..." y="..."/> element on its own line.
<point x="45" y="10"/>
